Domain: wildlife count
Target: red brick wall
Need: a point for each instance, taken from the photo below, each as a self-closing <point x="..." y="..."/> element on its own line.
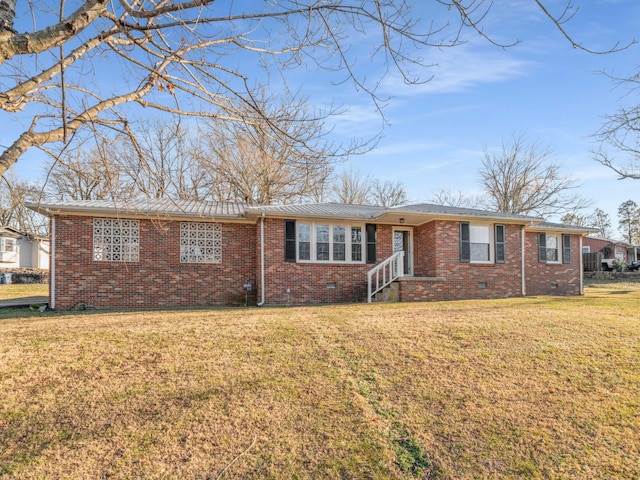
<point x="424" y="250"/>
<point x="158" y="279"/>
<point x="462" y="280"/>
<point x="314" y="282"/>
<point x="552" y="278"/>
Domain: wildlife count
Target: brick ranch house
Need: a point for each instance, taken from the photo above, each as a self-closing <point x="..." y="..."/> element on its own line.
<point x="622" y="251"/>
<point x="166" y="253"/>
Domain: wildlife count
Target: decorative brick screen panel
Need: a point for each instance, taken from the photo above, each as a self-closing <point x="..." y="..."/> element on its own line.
<point x="200" y="242"/>
<point x="116" y="240"/>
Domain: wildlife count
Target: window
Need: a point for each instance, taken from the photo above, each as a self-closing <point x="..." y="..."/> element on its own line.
<point x="116" y="240"/>
<point x="304" y="241"/>
<point x="548" y="248"/>
<point x="200" y="242"/>
<point x="499" y="235"/>
<point x="475" y="243"/>
<point x="9" y="245"/>
<point x="323" y="242"/>
<point x="586" y="249"/>
<point x="566" y="248"/>
<point x="356" y="244"/>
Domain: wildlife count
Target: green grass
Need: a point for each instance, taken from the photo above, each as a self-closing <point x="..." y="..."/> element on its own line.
<point x="542" y="387"/>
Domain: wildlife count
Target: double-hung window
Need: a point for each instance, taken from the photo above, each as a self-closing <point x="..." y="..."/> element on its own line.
<point x="554" y="248"/>
<point x="476" y="243"/>
<point x="9" y="245"/>
<point x="323" y="242"/>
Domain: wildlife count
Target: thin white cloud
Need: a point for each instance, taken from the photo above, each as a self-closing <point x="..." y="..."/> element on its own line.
<point x="462" y="68"/>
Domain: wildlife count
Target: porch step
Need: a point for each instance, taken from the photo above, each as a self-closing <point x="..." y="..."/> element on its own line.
<point x="390" y="293"/>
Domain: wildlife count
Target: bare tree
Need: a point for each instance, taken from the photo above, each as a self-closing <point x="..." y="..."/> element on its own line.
<point x="601" y="221"/>
<point x="629" y="221"/>
<point x="282" y="160"/>
<point x="576" y="218"/>
<point x="13" y="213"/>
<point x="159" y="163"/>
<point x="88" y="174"/>
<point x="352" y="187"/>
<point x="619" y="135"/>
<point x="388" y="194"/>
<point x="444" y="196"/>
<point x="198" y="57"/>
<point x="521" y="179"/>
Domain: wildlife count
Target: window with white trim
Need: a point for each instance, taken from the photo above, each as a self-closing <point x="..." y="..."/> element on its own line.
<point x="9" y="245"/>
<point x="116" y="240"/>
<point x="477" y="243"/>
<point x="200" y="242"/>
<point x="324" y="242"/>
<point x="554" y="248"/>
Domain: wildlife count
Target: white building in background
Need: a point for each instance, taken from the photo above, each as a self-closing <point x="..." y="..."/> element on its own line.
<point x="21" y="250"/>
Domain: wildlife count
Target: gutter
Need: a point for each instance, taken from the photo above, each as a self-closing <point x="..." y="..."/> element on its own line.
<point x="524" y="281"/>
<point x="581" y="272"/>
<point x="262" y="298"/>
<point x="52" y="265"/>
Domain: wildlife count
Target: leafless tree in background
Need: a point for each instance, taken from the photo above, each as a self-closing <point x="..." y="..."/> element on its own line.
<point x="388" y="194"/>
<point x="522" y="179"/>
<point x="353" y="188"/>
<point x="88" y="174"/>
<point x="13" y="213"/>
<point x="198" y="58"/>
<point x="245" y="161"/>
<point x="159" y="163"/>
<point x="461" y="199"/>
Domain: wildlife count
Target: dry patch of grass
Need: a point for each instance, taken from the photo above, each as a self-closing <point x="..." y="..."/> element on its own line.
<point x="22" y="290"/>
<point x="530" y="388"/>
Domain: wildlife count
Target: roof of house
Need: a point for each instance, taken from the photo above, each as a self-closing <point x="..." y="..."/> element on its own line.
<point x="15" y="233"/>
<point x="563" y="227"/>
<point x="621" y="243"/>
<point x="409" y="215"/>
<point x="148" y="207"/>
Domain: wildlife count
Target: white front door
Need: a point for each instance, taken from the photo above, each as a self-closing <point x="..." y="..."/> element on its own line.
<point x="403" y="242"/>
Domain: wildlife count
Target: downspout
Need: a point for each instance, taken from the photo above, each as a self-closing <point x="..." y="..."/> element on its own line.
<point x="52" y="265"/>
<point x="524" y="282"/>
<point x="581" y="273"/>
<point x="262" y="300"/>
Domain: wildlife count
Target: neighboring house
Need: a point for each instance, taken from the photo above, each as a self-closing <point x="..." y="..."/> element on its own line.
<point x="165" y="253"/>
<point x="21" y="250"/>
<point x="617" y="249"/>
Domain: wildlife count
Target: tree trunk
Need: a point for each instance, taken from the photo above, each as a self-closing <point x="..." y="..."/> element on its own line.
<point x="7" y="14"/>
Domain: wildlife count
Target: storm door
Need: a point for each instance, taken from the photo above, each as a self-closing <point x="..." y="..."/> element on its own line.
<point x="403" y="241"/>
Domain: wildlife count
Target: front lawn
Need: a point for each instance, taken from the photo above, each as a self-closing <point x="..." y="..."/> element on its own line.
<point x="545" y="387"/>
<point x="23" y="290"/>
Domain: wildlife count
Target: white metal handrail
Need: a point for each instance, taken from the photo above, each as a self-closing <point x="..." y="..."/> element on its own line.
<point x="384" y="273"/>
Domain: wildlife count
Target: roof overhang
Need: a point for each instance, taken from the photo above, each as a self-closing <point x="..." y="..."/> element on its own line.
<point x="122" y="211"/>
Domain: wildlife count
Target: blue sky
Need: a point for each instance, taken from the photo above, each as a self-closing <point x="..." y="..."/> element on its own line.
<point x="481" y="95"/>
<point x="541" y="88"/>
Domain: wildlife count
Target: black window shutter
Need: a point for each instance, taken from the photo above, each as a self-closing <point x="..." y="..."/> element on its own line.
<point x="371" y="242"/>
<point x="499" y="243"/>
<point x="542" y="247"/>
<point x="465" y="242"/>
<point x="289" y="240"/>
<point x="566" y="248"/>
